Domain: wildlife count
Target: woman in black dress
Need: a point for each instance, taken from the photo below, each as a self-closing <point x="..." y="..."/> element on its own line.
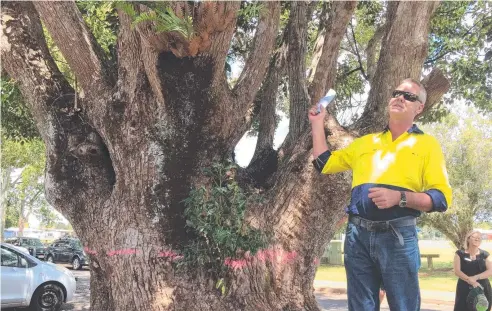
<point x="473" y="266"/>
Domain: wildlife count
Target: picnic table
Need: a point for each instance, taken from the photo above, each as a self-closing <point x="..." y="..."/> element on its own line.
<point x="429" y="259"/>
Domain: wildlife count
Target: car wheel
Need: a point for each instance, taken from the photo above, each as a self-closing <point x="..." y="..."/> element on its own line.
<point x="76" y="263"/>
<point x="50" y="259"/>
<point x="48" y="297"/>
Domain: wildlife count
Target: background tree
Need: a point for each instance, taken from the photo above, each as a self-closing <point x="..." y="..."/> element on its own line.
<point x="128" y="137"/>
<point x="47" y="217"/>
<point x="467" y="146"/>
<point x="22" y="179"/>
<point x="11" y="217"/>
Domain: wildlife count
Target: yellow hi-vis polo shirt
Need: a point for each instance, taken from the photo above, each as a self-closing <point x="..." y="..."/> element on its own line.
<point x="413" y="162"/>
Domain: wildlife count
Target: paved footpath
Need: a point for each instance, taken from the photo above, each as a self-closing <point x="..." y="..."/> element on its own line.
<point x="332" y="296"/>
<point x="339" y="303"/>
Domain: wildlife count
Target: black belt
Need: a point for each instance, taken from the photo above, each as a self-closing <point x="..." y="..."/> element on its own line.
<point x="385" y="225"/>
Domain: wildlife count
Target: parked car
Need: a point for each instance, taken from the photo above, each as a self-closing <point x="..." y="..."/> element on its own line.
<point x="67" y="250"/>
<point x="29" y="282"/>
<point x="22" y="249"/>
<point x="33" y="245"/>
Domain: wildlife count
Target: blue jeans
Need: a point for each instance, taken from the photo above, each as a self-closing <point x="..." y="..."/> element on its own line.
<point x="375" y="257"/>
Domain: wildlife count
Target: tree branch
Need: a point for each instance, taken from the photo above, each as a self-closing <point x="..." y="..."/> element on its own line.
<point x="436" y="85"/>
<point x="296" y="67"/>
<point x="130" y="65"/>
<point x="348" y="73"/>
<point x="16" y="180"/>
<point x="402" y="56"/>
<point x="77" y="161"/>
<point x="264" y="161"/>
<point x="320" y="39"/>
<point x="357" y="52"/>
<point x="77" y="44"/>
<point x="35" y="196"/>
<point x="257" y="64"/>
<point x="371" y="50"/>
<point x="216" y="24"/>
<point x="335" y="27"/>
<point x="443" y="52"/>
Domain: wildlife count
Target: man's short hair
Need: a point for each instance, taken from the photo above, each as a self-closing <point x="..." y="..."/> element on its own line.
<point x="422" y="92"/>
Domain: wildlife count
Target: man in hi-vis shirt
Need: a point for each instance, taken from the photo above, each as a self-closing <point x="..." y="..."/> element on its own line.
<point x="397" y="174"/>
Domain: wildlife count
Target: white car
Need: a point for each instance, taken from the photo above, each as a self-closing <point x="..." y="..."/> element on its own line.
<point x="22" y="249"/>
<point x="29" y="282"/>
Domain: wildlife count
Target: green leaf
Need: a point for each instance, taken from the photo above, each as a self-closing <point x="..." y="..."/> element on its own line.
<point x="127" y="8"/>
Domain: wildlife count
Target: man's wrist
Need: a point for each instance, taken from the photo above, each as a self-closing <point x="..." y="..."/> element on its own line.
<point x="318" y="125"/>
<point x="403" y="199"/>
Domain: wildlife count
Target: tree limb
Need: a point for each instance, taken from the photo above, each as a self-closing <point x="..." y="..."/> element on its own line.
<point x="77" y="161"/>
<point x="130" y="65"/>
<point x="372" y="50"/>
<point x="244" y="93"/>
<point x="320" y="39"/>
<point x="436" y="85"/>
<point x="296" y="67"/>
<point x="402" y="56"/>
<point x="264" y="161"/>
<point x="35" y="196"/>
<point x="336" y="24"/>
<point x="257" y="64"/>
<point x="216" y="24"/>
<point x="348" y="73"/>
<point x="77" y="44"/>
<point x="268" y="99"/>
<point x="357" y="53"/>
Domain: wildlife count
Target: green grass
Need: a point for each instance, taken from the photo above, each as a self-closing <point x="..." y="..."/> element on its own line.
<point x="441" y="278"/>
<point x="331" y="273"/>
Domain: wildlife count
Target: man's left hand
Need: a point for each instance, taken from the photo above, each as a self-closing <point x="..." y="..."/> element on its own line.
<point x="384" y="198"/>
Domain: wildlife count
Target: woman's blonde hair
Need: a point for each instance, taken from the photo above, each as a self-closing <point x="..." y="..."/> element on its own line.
<point x="468" y="235"/>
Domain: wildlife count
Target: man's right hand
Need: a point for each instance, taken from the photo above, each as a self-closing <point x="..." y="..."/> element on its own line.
<point x="316" y="118"/>
<point x="318" y="130"/>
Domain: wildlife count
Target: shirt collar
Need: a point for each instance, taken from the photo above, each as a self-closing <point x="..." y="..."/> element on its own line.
<point x="414" y="129"/>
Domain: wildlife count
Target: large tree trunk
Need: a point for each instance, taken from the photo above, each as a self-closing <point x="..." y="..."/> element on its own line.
<point x="120" y="168"/>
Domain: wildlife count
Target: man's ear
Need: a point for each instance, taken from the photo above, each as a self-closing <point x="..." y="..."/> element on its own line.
<point x="420" y="108"/>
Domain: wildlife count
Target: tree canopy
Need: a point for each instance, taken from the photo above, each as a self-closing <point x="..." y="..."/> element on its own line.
<point x="467" y="145"/>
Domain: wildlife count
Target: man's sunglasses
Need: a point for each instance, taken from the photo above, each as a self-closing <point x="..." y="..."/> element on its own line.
<point x="408" y="96"/>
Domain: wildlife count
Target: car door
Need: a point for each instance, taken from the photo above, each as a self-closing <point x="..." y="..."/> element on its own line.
<point x="65" y="250"/>
<point x="15" y="278"/>
<point x="55" y="251"/>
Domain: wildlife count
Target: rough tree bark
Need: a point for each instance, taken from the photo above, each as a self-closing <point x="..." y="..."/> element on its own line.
<point x="403" y="50"/>
<point x="119" y="168"/>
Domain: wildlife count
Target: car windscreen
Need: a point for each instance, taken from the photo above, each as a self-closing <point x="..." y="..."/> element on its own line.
<point x="76" y="244"/>
<point x="37" y="243"/>
<point x="23" y="261"/>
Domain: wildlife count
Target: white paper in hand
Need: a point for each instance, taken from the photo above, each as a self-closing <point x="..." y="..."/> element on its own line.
<point x="325" y="101"/>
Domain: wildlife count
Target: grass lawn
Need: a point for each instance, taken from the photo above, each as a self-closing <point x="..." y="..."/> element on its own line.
<point x="441" y="278"/>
